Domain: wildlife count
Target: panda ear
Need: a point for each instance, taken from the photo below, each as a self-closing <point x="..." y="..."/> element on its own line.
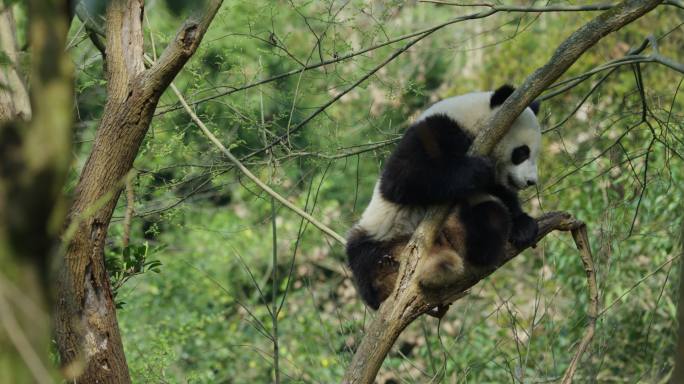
<point x="500" y="95"/>
<point x="535" y="107"/>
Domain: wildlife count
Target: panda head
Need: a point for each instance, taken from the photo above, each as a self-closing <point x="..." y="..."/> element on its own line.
<point x="516" y="153"/>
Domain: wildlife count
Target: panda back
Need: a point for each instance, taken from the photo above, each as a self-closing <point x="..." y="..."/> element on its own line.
<point x="469" y="110"/>
<point x="384" y="220"/>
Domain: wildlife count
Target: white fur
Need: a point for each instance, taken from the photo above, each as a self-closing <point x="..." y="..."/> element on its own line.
<point x="524" y="131"/>
<point x="384" y="220"/>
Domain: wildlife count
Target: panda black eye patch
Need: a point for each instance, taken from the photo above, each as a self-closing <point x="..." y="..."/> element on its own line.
<point x="520" y="154"/>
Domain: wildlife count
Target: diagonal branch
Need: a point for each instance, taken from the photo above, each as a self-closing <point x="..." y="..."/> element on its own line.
<point x="566" y="54"/>
<point x="324" y="228"/>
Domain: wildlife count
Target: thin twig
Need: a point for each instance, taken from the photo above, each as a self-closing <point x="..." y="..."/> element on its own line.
<point x="579" y="234"/>
<point x="251" y="176"/>
<point x="274" y="295"/>
<point x="330" y="102"/>
<point x="530" y="9"/>
<point x="130" y="209"/>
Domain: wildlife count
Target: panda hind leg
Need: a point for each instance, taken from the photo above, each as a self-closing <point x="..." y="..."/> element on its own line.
<point x="442" y="267"/>
<point x="488" y="227"/>
<point x="373" y="267"/>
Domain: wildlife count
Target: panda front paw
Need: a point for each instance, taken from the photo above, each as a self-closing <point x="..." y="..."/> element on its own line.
<point x="482" y="172"/>
<point x="524" y="231"/>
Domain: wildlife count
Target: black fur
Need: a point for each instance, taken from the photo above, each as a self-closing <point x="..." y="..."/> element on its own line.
<point x="500" y="95"/>
<point x="503" y="92"/>
<point x="430" y="166"/>
<point x="520" y="154"/>
<point x="365" y="256"/>
<point x="534" y="106"/>
<point x="488" y="225"/>
<point x="524" y="230"/>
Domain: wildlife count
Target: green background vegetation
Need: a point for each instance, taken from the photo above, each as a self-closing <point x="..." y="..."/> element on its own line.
<point x="200" y="318"/>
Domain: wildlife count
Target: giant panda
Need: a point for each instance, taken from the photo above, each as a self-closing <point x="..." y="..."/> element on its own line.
<point x="430" y="166"/>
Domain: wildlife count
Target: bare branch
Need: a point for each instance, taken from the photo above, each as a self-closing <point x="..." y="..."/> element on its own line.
<point x="579" y="234"/>
<point x="530" y="9"/>
<point x="93" y="28"/>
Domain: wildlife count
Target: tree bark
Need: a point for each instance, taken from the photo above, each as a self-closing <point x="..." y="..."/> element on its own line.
<point x="87" y="332"/>
<point x="407" y="302"/>
<point x="35" y="151"/>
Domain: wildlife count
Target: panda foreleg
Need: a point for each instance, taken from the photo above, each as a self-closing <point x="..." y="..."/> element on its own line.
<point x="524" y="228"/>
<point x="488" y="227"/>
<point x="421" y="182"/>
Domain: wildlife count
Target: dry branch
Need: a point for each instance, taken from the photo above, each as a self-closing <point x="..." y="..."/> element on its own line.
<point x="407" y="302"/>
<point x="579" y="234"/>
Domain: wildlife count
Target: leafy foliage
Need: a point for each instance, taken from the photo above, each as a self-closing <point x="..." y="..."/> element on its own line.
<point x="132" y="261"/>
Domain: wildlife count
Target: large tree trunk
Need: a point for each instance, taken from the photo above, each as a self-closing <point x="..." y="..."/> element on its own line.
<point x="86" y="325"/>
<point x="35" y="151"/>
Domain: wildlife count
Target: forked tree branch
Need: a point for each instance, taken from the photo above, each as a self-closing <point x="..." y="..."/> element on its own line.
<point x="177" y="53"/>
<point x="87" y="333"/>
<point x="408" y="301"/>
